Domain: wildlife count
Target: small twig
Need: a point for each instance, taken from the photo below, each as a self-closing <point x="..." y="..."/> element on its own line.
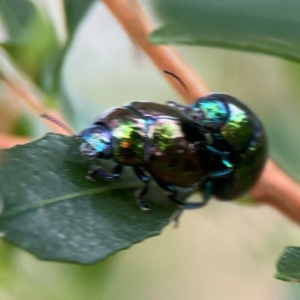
<point x="278" y="189"/>
<point x="275" y="187"/>
<point x="35" y="104"/>
<point x="29" y="98"/>
<point x="138" y="26"/>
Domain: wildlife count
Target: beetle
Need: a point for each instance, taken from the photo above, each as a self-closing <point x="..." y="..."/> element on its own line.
<point x="216" y="145"/>
<point x="153" y="139"/>
<point x="234" y="133"/>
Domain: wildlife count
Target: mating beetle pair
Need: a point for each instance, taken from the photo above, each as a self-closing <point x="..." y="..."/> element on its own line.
<point x="216" y="144"/>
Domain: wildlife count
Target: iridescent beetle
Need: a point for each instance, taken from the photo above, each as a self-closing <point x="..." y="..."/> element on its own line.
<point x="216" y="144"/>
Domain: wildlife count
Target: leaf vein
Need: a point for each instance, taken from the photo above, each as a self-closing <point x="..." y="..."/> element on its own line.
<point x="25" y="208"/>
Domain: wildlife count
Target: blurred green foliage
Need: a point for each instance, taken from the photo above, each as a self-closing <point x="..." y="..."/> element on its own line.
<point x="33" y="44"/>
<point x="288" y="265"/>
<point x="264" y="26"/>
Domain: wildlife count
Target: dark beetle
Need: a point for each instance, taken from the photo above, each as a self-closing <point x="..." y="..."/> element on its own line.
<point x="234" y="133"/>
<point x="216" y="144"/>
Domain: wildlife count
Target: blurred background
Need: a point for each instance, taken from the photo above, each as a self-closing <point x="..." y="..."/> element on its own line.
<point x="224" y="251"/>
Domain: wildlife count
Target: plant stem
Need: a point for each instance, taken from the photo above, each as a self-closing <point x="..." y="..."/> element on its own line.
<point x="7" y="141"/>
<point x="35" y="105"/>
<point x="275" y="187"/>
<point x="138" y="25"/>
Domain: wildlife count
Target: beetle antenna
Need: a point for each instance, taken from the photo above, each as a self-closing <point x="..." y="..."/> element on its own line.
<point x="180" y="81"/>
<point x="57" y="122"/>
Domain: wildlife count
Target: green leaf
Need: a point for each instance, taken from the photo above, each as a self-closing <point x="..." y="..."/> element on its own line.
<point x="288" y="265"/>
<point x="23" y="126"/>
<point x="16" y="16"/>
<point x="51" y="210"/>
<point x="266" y="26"/>
<point x="75" y="12"/>
<point x="32" y="42"/>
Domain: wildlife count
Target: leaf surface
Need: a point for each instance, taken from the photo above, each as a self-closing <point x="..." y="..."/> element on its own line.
<point x="51" y="210"/>
<point x="265" y="26"/>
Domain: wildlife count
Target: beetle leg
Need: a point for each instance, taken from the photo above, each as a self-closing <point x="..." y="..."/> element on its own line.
<point x="143" y="191"/>
<point x="117" y="170"/>
<point x="176" y="216"/>
<point x="171" y="189"/>
<point x="207" y="191"/>
<point x="217" y="174"/>
<point x="214" y="150"/>
<point x="223" y="157"/>
<point x="211" y="148"/>
<point x="172" y="193"/>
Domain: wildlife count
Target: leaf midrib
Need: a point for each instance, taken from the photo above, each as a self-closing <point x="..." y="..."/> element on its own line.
<point x="42" y="203"/>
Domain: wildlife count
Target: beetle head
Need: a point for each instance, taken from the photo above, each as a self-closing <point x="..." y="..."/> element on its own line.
<point x="96" y="142"/>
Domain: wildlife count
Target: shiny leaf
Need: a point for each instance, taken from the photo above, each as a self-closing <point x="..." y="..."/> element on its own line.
<point x="51" y="210"/>
<point x="265" y="26"/>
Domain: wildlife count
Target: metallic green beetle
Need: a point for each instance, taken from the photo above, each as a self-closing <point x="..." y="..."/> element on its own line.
<point x="216" y="145"/>
<point x="233" y="132"/>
